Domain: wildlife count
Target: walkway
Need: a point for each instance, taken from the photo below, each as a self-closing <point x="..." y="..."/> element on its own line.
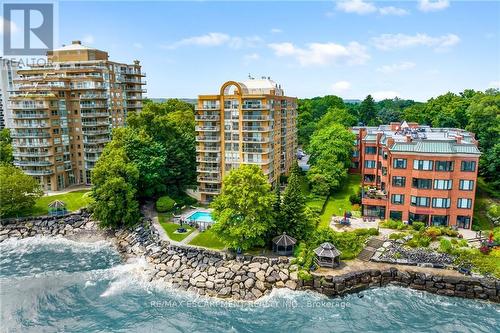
<point x="69" y="189"/>
<point x="150" y="212"/>
<point x="371" y="247"/>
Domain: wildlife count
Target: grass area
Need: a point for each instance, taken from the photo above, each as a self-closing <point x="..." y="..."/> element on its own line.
<point x="73" y="200"/>
<point x="339" y="202"/>
<point x="486" y="197"/>
<point x="207" y="239"/>
<point x="170" y="228"/>
<point x="312" y="200"/>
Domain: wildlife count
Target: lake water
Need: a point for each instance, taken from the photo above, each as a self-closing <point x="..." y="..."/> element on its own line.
<point x="61" y="285"/>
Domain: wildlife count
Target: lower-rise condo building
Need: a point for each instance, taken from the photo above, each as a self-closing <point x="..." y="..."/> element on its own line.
<point x="249" y="122"/>
<point x="417" y="173"/>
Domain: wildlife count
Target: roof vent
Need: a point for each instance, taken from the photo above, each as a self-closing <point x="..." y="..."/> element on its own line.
<point x="78" y="42"/>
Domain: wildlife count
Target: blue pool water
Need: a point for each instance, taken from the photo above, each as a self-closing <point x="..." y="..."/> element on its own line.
<point x="57" y="285"/>
<point x="201" y="217"/>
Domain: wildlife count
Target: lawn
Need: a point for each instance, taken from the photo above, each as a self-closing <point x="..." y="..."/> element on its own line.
<point x="170" y="228"/>
<point x="207" y="239"/>
<point x="339" y="202"/>
<point x="74" y="201"/>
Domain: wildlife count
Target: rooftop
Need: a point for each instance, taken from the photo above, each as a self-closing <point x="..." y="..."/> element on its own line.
<point x="262" y="86"/>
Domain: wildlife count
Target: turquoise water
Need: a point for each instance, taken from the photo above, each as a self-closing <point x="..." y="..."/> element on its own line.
<point x="201" y="217"/>
<point x="60" y="285"/>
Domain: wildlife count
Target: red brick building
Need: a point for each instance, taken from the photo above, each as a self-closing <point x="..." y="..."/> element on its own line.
<point x="417" y="173"/>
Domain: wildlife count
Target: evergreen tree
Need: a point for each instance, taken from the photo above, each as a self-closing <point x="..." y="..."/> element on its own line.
<point x="368" y="111"/>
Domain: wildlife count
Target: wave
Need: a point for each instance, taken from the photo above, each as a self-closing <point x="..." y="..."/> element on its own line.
<point x="56" y="244"/>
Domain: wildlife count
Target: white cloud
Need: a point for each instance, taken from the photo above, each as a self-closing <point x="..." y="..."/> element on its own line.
<point x="13" y="26"/>
<point x="323" y="53"/>
<point x="356" y="6"/>
<point x="380" y="95"/>
<point x="341" y="86"/>
<point x="137" y="45"/>
<point x="248" y="58"/>
<point x="216" y="39"/>
<point x="433" y="5"/>
<point x="362" y="8"/>
<point x="88" y="39"/>
<point x="276" y="30"/>
<point x="401" y="66"/>
<point x="399" y="41"/>
<point x="494" y="85"/>
<point x="391" y="10"/>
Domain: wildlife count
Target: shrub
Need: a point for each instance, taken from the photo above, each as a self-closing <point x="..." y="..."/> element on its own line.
<point x="419" y="240"/>
<point x="463" y="243"/>
<point x="366" y="232"/>
<point x="355" y="198"/>
<point x="391" y="224"/>
<point x="449" y="232"/>
<point x="397" y="235"/>
<point x="433" y="232"/>
<point x="165" y="204"/>
<point x="418" y="226"/>
<point x="304" y="275"/>
<point x="445" y="246"/>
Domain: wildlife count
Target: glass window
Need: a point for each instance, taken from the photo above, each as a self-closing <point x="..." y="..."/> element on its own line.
<point x="441" y="202"/>
<point x="463" y="221"/>
<point x="420" y="201"/>
<point x="466" y="185"/>
<point x="398" y="199"/>
<point x="369" y="164"/>
<point x="444" y="165"/>
<point x="468" y="166"/>
<point x="421" y="183"/>
<point x="355" y="153"/>
<point x="399" y="163"/>
<point x="370" y="150"/>
<point x="396" y="215"/>
<point x="422" y="165"/>
<point x="443" y="184"/>
<point x="398" y="181"/>
<point x="464" y="203"/>
<point x="439" y="220"/>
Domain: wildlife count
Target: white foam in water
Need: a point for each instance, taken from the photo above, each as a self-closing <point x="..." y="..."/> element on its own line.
<point x="57" y="244"/>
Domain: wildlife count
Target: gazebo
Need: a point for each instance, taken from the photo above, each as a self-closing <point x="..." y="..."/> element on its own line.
<point x="327" y="255"/>
<point x="284" y="244"/>
<point x="57" y="208"/>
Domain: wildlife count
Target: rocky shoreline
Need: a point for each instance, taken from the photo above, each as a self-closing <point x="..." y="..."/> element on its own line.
<point x="223" y="275"/>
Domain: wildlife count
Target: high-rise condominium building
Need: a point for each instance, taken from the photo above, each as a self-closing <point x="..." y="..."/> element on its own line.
<point x="249" y="122"/>
<point x="64" y="110"/>
<point x="417" y="173"/>
<point x="8" y="73"/>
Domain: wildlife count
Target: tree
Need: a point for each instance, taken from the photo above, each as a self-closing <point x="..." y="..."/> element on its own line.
<point x="243" y="211"/>
<point x="368" y="111"/>
<point x="6" y="147"/>
<point x="114" y="180"/>
<point x="331" y="151"/>
<point x="294" y="219"/>
<point x="337" y="116"/>
<point x="18" y="191"/>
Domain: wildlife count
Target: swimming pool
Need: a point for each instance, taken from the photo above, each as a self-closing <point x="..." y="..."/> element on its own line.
<point x="200" y="217"/>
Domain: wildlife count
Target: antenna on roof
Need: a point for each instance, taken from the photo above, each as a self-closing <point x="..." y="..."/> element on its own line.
<point x="250" y="76"/>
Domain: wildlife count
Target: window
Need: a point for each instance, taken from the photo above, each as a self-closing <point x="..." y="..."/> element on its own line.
<point x="369" y="178"/>
<point x="439" y="220"/>
<point x="355" y="153"/>
<point x="396" y="215"/>
<point x="398" y="199"/>
<point x="463" y="221"/>
<point x="421" y="183"/>
<point x="464" y="203"/>
<point x="384" y="171"/>
<point x="420" y="201"/>
<point x="370" y="150"/>
<point x="422" y="165"/>
<point x="398" y="181"/>
<point x="441" y="202"/>
<point x="399" y="163"/>
<point x="444" y="165"/>
<point x="468" y="166"/>
<point x="443" y="184"/>
<point x="369" y="164"/>
<point x="466" y="185"/>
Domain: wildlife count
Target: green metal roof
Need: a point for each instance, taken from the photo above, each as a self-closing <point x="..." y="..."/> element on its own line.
<point x="370" y="137"/>
<point x="435" y="147"/>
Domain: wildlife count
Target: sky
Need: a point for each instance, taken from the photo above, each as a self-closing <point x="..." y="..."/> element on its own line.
<point x="409" y="49"/>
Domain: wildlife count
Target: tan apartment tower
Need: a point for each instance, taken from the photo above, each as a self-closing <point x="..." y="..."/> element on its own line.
<point x="249" y="122"/>
<point x="64" y="110"/>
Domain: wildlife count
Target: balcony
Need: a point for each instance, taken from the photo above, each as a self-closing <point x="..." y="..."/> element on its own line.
<point x="94" y="106"/>
<point x="253" y="139"/>
<point x="94" y="114"/>
<point x="208" y="107"/>
<point x="256" y="118"/>
<point x="31" y="125"/>
<point x="207" y="128"/>
<point x="205" y="169"/>
<point x="97" y="150"/>
<point x="208" y="138"/>
<point x="209" y="190"/>
<point x="256" y="128"/>
<point x="32" y="172"/>
<point x="256" y="150"/>
<point x="95" y="132"/>
<point x="33" y="163"/>
<point x="19" y="106"/>
<point x="96" y="141"/>
<point x="207" y="159"/>
<point x="138" y="98"/>
<point x="207" y="118"/>
<point x="255" y="107"/>
<point x="30" y="116"/>
<point x="32" y="154"/>
<point x="95" y="123"/>
<point x="209" y="179"/>
<point x="252" y="161"/>
<point x="136" y="89"/>
<point x="90" y="158"/>
<point x="372" y="196"/>
<point x="32" y="144"/>
<point x="203" y="149"/>
<point x="93" y="96"/>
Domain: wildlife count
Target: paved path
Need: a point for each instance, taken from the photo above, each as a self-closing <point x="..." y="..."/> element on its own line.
<point x="371" y="247"/>
<point x="150" y="212"/>
<point x="190" y="237"/>
<point x="68" y="189"/>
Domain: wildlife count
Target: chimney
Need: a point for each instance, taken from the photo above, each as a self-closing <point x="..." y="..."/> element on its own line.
<point x="459" y="139"/>
<point x="76" y="42"/>
<point x="408" y="138"/>
<point x="390" y="142"/>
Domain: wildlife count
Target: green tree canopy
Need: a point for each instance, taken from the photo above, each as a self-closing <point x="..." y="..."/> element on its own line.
<point x="368" y="111"/>
<point x="5" y="147"/>
<point x="18" y="191"/>
<point x="243" y="211"/>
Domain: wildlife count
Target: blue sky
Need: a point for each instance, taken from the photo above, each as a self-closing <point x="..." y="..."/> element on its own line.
<point x="414" y="49"/>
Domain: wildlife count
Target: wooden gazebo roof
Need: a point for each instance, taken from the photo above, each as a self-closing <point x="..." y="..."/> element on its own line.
<point x="57" y="204"/>
<point x="327" y="250"/>
<point x="284" y="240"/>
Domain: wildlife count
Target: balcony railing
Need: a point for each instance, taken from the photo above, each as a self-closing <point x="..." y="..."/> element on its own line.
<point x="252" y="161"/>
<point x="97" y="140"/>
<point x="208" y="179"/>
<point x="202" y="149"/>
<point x="252" y="139"/>
<point x="95" y="132"/>
<point x="32" y="144"/>
<point x="208" y="107"/>
<point x="36" y="125"/>
<point x="29" y="135"/>
<point x="19" y="106"/>
<point x="94" y="106"/>
<point x="93" y="96"/>
<point x="30" y="115"/>
<point x="207" y="159"/>
<point x="135" y="89"/>
<point x="256" y="117"/>
<point x="208" y="169"/>
<point x="254" y="106"/>
<point x="206" y="118"/>
<point x="32" y="172"/>
<point x="210" y="190"/>
<point x="90" y="158"/>
<point x="32" y="154"/>
<point x="33" y="163"/>
<point x="94" y="114"/>
<point x="256" y="128"/>
<point x="207" y="128"/>
<point x="208" y="138"/>
<point x="95" y="123"/>
<point x="93" y="150"/>
<point x="256" y="150"/>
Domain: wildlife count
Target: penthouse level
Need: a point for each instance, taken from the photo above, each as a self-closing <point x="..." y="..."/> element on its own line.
<point x="417" y="173"/>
